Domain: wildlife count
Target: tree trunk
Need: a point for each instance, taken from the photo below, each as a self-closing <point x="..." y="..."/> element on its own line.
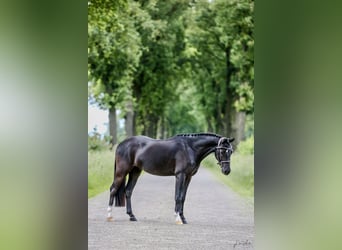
<point x="129" y="119"/>
<point x="238" y="119"/>
<point x="137" y="82"/>
<point x="112" y="125"/>
<point x="227" y="126"/>
<point x="228" y="116"/>
<point x="150" y="127"/>
<point x="161" y="128"/>
<point x="234" y="120"/>
<point x="209" y="125"/>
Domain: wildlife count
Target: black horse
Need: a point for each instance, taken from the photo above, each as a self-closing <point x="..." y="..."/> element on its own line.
<point x="178" y="156"/>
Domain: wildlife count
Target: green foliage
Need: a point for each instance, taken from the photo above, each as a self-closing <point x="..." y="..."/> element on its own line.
<point x="180" y="62"/>
<point x="244" y="98"/>
<point x="161" y="30"/>
<point x="113" y="52"/>
<point x="184" y="115"/>
<point x="220" y="47"/>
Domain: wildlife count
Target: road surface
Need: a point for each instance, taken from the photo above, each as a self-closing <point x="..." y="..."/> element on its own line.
<point x="217" y="217"/>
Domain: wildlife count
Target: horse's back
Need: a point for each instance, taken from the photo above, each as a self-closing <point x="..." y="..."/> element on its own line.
<point x="154" y="156"/>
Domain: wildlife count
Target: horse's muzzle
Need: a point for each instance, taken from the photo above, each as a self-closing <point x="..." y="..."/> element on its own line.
<point x="226" y="171"/>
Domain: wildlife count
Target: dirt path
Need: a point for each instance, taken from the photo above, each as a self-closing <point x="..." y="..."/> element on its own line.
<point x="217" y="217"/>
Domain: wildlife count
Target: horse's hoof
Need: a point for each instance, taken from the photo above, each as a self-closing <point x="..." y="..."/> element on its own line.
<point x="109" y="218"/>
<point x="133" y="219"/>
<point x="179" y="220"/>
<point x="183" y="219"/>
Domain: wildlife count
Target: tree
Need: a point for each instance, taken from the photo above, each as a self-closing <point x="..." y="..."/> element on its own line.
<point x="113" y="54"/>
<point x="221" y="51"/>
<point x="173" y="66"/>
<point x="162" y="36"/>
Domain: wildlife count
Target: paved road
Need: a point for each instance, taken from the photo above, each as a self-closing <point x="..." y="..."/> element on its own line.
<point x="218" y="218"/>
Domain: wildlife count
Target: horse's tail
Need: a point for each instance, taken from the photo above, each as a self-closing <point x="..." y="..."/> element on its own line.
<point x="120" y="193"/>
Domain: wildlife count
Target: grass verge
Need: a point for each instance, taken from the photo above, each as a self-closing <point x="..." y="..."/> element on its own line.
<point x="100" y="171"/>
<point x="241" y="177"/>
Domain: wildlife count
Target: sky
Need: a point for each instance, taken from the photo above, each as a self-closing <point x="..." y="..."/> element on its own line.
<point x="97" y="118"/>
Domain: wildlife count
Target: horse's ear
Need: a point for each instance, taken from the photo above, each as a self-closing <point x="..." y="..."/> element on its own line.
<point x="231" y="139"/>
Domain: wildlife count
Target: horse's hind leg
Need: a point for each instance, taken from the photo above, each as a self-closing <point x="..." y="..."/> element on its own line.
<point x="114" y="188"/>
<point x="112" y="194"/>
<point x="133" y="177"/>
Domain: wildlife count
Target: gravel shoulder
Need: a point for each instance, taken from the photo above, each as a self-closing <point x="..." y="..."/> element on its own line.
<point x="218" y="218"/>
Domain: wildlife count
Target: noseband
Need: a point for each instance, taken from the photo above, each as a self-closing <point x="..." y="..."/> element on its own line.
<point x="220" y="147"/>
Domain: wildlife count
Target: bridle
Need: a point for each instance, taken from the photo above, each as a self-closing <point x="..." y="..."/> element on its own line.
<point x="220" y="147"/>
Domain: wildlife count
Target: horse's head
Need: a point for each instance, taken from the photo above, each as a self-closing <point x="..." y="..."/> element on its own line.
<point x="223" y="152"/>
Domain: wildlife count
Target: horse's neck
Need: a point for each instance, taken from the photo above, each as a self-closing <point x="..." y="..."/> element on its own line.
<point x="205" y="146"/>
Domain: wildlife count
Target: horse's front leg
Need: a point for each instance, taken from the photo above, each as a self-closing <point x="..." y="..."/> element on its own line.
<point x="186" y="185"/>
<point x="182" y="182"/>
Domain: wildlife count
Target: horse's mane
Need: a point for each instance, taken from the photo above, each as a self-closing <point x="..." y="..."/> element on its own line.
<point x="199" y="134"/>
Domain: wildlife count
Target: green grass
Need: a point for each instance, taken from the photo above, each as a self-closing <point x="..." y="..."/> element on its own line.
<point x="241" y="177"/>
<point x="100" y="171"/>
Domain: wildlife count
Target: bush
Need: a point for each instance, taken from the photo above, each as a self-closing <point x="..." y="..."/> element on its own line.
<point x="95" y="143"/>
<point x="246" y="147"/>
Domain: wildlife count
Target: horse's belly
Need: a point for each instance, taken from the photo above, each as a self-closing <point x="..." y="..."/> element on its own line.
<point x="158" y="171"/>
<point x="156" y="163"/>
